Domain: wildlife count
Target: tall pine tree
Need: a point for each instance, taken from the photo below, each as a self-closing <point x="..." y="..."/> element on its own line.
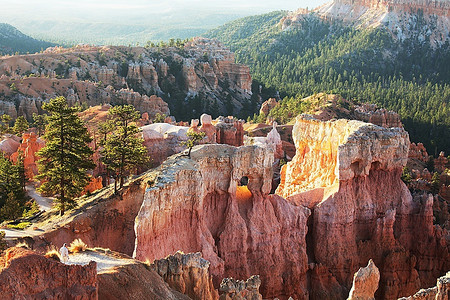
<point x="12" y="191"/>
<point x="20" y="126"/>
<point x="66" y="157"/>
<point x="123" y="149"/>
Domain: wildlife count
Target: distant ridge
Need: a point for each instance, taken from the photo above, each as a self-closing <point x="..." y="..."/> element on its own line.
<point x="12" y="41"/>
<point x="429" y="20"/>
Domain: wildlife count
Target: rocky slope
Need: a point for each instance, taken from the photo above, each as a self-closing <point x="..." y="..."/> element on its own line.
<point x="424" y="19"/>
<point x="27" y="275"/>
<point x="104" y="220"/>
<point x="202" y="69"/>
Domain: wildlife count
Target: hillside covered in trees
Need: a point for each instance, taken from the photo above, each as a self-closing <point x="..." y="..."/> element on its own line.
<point x="367" y="65"/>
<point x="13" y="41"/>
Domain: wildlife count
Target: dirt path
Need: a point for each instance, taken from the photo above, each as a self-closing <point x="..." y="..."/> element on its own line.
<point x="104" y="262"/>
<point x="14" y="233"/>
<point x="44" y="203"/>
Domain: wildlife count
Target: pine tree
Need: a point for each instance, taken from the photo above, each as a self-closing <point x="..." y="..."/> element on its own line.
<point x="123" y="150"/>
<point x="104" y="129"/>
<point x="39" y="122"/>
<point x="66" y="157"/>
<point x="4" y="124"/>
<point x="194" y="139"/>
<point x="20" y="126"/>
<point x="12" y="192"/>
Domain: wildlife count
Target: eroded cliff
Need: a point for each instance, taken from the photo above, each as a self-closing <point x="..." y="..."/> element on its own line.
<point x="150" y="78"/>
<point x="423" y="19"/>
<point x="348" y="173"/>
<point x="197" y="204"/>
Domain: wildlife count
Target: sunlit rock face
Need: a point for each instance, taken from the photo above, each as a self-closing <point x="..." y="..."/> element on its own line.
<point x="348" y="174"/>
<point x="197" y="205"/>
<point x="335" y="151"/>
<point x="365" y="283"/>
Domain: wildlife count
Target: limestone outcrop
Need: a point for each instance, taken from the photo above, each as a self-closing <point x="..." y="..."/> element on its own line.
<point x="194" y="206"/>
<point x="395" y="15"/>
<point x="348" y="174"/>
<point x="24" y="274"/>
<point x="267" y="106"/>
<point x="365" y="283"/>
<point x="187" y="274"/>
<point x="440" y="292"/>
<point x="233" y="289"/>
<point x="9" y="144"/>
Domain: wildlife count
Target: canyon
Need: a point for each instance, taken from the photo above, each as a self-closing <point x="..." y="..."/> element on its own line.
<point x="340" y="203"/>
<point x="152" y="79"/>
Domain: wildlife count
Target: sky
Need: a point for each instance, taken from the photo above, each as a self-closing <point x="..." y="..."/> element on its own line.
<point x="103" y="8"/>
<point x="101" y="21"/>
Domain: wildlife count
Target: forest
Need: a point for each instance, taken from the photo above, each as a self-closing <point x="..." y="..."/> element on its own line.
<point x="12" y="41"/>
<point x="364" y="65"/>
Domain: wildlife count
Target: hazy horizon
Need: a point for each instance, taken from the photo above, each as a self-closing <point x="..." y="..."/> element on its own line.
<point x="120" y="21"/>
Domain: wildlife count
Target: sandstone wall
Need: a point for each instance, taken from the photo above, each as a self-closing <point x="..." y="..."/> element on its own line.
<point x="25" y="274"/>
<point x="348" y="173"/>
<point x="193" y="206"/>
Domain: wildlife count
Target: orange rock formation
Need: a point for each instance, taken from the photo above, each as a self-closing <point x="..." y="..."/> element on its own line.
<point x="345" y="204"/>
<point x="348" y="173"/>
<point x="29" y="147"/>
<point x="262" y="235"/>
<point x="25" y="274"/>
<point x="267" y="106"/>
<point x="94" y="184"/>
<point x="92" y="76"/>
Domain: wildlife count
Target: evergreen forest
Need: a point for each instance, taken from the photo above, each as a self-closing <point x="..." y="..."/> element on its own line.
<point x="365" y="65"/>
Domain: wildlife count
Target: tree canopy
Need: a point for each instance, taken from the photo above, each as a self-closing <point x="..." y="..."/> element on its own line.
<point x="123" y="149"/>
<point x="66" y="157"/>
